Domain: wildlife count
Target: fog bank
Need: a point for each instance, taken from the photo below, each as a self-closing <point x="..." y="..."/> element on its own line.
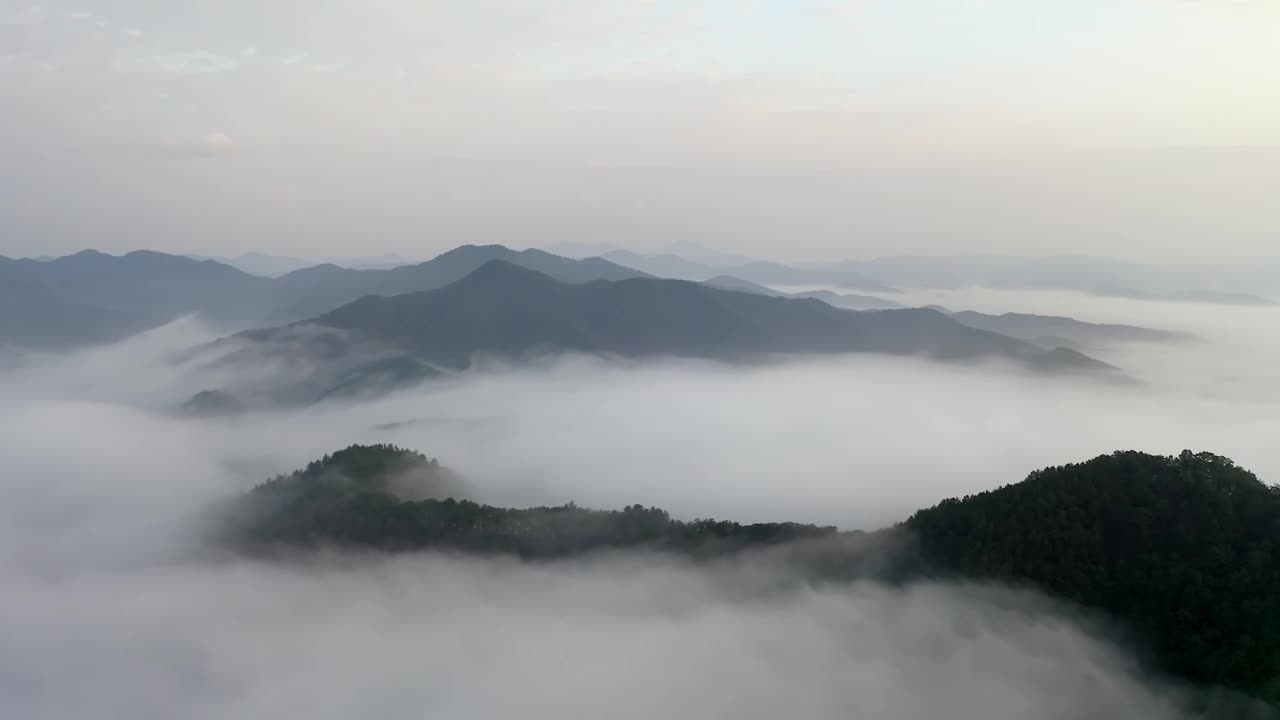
<point x="114" y="609"/>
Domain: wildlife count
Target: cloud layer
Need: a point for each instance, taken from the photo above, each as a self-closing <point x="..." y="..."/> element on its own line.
<point x="113" y="606"/>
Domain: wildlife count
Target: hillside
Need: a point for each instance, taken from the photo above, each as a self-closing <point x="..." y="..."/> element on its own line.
<point x="154" y="287"/>
<point x="666" y="265"/>
<point x="840" y="300"/>
<point x="390" y="498"/>
<point x="36" y="317"/>
<point x="92" y="297"/>
<point x="310" y="292"/>
<point x="1178" y="550"/>
<point x="1055" y="331"/>
<point x="1181" y="549"/>
<point x="510" y="311"/>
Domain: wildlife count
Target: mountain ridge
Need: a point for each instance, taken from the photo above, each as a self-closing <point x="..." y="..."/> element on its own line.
<point x="513" y="313"/>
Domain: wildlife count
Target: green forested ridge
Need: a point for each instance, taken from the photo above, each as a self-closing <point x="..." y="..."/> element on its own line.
<point x="350" y="498"/>
<point x="1179" y="549"/>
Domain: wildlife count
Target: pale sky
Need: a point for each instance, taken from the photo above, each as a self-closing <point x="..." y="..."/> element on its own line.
<point x="793" y="129"/>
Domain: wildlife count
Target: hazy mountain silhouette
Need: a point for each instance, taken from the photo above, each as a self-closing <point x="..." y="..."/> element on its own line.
<point x="840" y="300"/>
<point x="513" y="312"/>
<point x="150" y="286"/>
<point x="309" y="292"/>
<point x="1055" y="331"/>
<point x="37" y="317"/>
<point x="772" y="273"/>
<point x="1098" y="276"/>
<point x="666" y="265"/>
<point x="261" y="264"/>
<point x="92" y="297"/>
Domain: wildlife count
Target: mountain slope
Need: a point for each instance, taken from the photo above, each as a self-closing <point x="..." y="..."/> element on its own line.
<point x="91" y="297"/>
<point x="155" y="287"/>
<point x="1179" y="551"/>
<point x="846" y="301"/>
<point x="35" y="317"/>
<point x="666" y="265"/>
<point x="1182" y="549"/>
<point x="511" y="311"/>
<point x="310" y="292"/>
<point x="1053" y="331"/>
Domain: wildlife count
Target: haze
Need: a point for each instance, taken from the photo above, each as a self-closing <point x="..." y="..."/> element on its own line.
<point x="798" y="131"/>
<point x="105" y="491"/>
<point x="1114" y="161"/>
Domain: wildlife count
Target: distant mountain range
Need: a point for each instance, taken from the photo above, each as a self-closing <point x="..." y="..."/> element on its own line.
<point x="509" y="312"/>
<point x="840" y="300"/>
<point x="91" y="297"/>
<point x="260" y="264"/>
<point x="1257" y="284"/>
<point x="1054" y="331"/>
<point x="309" y="292"/>
<point x="277" y="265"/>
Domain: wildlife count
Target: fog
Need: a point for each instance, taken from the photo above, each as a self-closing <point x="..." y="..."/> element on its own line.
<point x="441" y="637"/>
<point x="114" y="609"/>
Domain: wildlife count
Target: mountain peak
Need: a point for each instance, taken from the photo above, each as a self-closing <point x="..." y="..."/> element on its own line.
<point x="472" y="251"/>
<point x="500" y="274"/>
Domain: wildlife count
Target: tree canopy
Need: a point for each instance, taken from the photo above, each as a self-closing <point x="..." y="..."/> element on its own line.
<point x="1179" y="549"/>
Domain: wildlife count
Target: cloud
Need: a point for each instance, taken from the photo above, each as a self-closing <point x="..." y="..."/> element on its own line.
<point x="211" y="144"/>
<point x="114" y="607"/>
<point x="632" y="638"/>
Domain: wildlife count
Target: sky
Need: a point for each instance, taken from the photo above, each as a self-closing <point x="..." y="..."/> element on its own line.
<point x="791" y="129"/>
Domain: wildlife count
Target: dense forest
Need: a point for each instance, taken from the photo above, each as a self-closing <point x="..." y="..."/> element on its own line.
<point x="357" y="498"/>
<point x="1178" y="549"/>
<point x="1181" y="549"/>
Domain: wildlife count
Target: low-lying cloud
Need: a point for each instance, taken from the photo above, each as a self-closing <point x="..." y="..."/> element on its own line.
<point x="432" y="636"/>
<point x="112" y="608"/>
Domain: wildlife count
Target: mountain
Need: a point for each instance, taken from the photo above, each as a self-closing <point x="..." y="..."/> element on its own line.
<point x="848" y="302"/>
<point x="703" y="255"/>
<point x="509" y="310"/>
<point x="265" y="265"/>
<point x="1182" y="550"/>
<point x="388" y="498"/>
<point x="512" y="312"/>
<point x="668" y="265"/>
<point x="686" y="252"/>
<point x="1055" y="331"/>
<point x="316" y="290"/>
<point x="1047" y="331"/>
<point x="36" y="317"/>
<point x="772" y="273"/>
<point x="1179" y="552"/>
<point x="149" y="286"/>
<point x="1253" y="285"/>
<point x="91" y="297"/>
<point x="737" y="284"/>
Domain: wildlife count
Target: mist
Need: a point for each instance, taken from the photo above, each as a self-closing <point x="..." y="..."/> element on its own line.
<point x="110" y="589"/>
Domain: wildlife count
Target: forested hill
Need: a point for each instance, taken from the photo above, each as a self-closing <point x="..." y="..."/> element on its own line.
<point x="1179" y="549"/>
<point x="384" y="497"/>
